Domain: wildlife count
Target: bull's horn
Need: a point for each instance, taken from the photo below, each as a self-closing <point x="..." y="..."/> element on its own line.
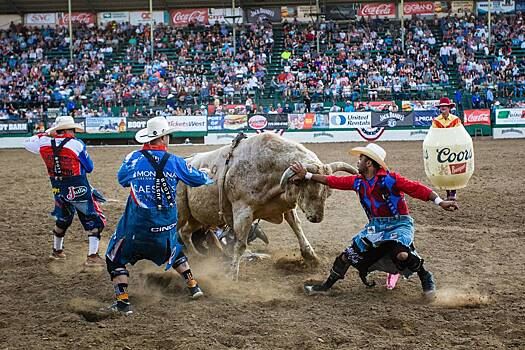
<point x="287" y="174"/>
<point x="342" y="166"/>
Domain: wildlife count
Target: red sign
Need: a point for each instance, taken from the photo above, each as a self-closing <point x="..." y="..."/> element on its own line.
<point x="76" y="17"/>
<point x="477" y="116"/>
<point x="418" y="8"/>
<point x="377" y="9"/>
<point x="185" y="17"/>
<point x="459" y="168"/>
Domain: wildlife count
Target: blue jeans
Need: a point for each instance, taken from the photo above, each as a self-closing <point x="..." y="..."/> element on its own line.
<point x="380" y="230"/>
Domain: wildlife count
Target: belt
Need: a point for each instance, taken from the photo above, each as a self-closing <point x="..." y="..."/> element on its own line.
<point x="389" y="218"/>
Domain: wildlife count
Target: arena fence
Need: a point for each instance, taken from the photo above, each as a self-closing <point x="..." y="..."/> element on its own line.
<point x="408" y="125"/>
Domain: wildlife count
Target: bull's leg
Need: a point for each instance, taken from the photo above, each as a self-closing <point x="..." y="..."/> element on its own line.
<point x="242" y="223"/>
<point x="306" y="249"/>
<point x="185" y="233"/>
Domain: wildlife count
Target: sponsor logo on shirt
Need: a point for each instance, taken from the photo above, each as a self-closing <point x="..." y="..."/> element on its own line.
<point x="75" y="192"/>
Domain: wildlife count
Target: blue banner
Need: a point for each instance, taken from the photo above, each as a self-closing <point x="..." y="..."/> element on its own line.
<point x="424" y="118"/>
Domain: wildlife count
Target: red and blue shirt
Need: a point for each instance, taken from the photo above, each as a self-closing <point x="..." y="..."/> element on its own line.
<point x="73" y="157"/>
<point x="373" y="193"/>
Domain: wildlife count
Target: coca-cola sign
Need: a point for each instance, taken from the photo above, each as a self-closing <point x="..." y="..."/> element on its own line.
<point x="477" y="116"/>
<point x="418" y="8"/>
<point x="377" y="10"/>
<point x="76" y="17"/>
<point x="185" y="17"/>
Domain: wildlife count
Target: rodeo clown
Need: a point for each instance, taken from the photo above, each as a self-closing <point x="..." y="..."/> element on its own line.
<point x="386" y="242"/>
<point x="148" y="227"/>
<point x="67" y="163"/>
<point x="447" y="120"/>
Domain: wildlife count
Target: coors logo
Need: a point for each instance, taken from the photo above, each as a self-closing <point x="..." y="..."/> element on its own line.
<point x="418" y="8"/>
<point x="371" y="10"/>
<point x="184" y="17"/>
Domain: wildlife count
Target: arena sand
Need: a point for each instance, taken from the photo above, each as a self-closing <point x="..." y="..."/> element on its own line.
<point x="476" y="255"/>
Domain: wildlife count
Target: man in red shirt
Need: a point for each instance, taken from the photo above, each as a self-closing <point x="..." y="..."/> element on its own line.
<point x="387" y="242"/>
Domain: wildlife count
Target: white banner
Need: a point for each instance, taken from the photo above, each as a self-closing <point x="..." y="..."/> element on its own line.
<point x="188" y="123"/>
<point x="509" y="116"/>
<point x="461" y="8"/>
<point x="503" y="6"/>
<point x="107" y="17"/>
<point x="216" y="15"/>
<point x="345" y="120"/>
<point x="5" y="21"/>
<point x="144" y="17"/>
<point x="508" y="133"/>
<point x="301" y="13"/>
<point x="40" y="19"/>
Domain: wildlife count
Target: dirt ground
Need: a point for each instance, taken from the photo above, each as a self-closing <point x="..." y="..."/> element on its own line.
<point x="476" y="255"/>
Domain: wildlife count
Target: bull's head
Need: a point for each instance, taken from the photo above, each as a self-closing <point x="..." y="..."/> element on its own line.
<point x="311" y="196"/>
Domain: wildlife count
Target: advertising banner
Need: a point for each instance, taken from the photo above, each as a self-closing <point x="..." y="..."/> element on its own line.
<point x="40" y="19"/>
<point x="135" y="124"/>
<point x="13" y="127"/>
<point x="408" y="106"/>
<point x="301" y="13"/>
<point x="418" y="8"/>
<point x="520" y="5"/>
<point x="188" y="123"/>
<point x="268" y="122"/>
<point x="392" y="119"/>
<point x="341" y="12"/>
<point x="425" y="8"/>
<point x="375" y="106"/>
<point x="181" y="18"/>
<point x="105" y="125"/>
<point x="424" y="118"/>
<point x="508" y="116"/>
<point x="345" y="120"/>
<point x="272" y="14"/>
<point x="144" y="17"/>
<point x="508" y="133"/>
<point x="476" y="117"/>
<point x="377" y="9"/>
<point x="460" y="8"/>
<point x="308" y="121"/>
<point x="76" y="17"/>
<point x="498" y="6"/>
<point x="108" y="17"/>
<point x="218" y="15"/>
<point x="227" y="109"/>
<point x="228" y="122"/>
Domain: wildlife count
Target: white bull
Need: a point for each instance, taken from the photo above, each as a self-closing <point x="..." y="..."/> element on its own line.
<point x="255" y="186"/>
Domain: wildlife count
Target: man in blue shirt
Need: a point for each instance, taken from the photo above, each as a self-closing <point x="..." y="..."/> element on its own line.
<point x="148" y="227"/>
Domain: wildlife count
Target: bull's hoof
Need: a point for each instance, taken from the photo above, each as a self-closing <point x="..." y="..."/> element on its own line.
<point x="310" y="258"/>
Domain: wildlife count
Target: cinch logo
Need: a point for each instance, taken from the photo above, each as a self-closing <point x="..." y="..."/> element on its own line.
<point x="163" y="228"/>
<point x="74" y="192"/>
<point x="446" y="155"/>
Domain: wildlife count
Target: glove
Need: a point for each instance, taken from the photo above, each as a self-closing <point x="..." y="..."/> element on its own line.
<point x="97" y="195"/>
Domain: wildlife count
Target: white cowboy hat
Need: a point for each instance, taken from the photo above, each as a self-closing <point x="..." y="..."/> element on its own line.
<point x="372" y="151"/>
<point x="65" y="122"/>
<point x="155" y="128"/>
